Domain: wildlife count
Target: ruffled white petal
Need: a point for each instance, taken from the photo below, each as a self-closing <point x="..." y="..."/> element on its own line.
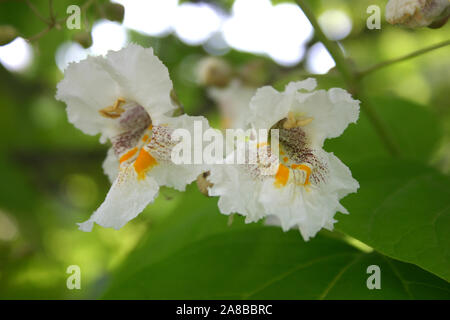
<point x="111" y="165"/>
<point x="268" y="106"/>
<point x="309" y="209"/>
<point x="127" y="198"/>
<point x="86" y="88"/>
<point x="143" y="78"/>
<point x="332" y="111"/>
<point x="237" y="191"/>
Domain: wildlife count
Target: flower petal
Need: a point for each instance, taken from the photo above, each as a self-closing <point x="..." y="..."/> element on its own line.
<point x="238" y="192"/>
<point x="86" y="88"/>
<point x="332" y="111"/>
<point x="111" y="165"/>
<point x="127" y="198"/>
<point x="143" y="78"/>
<point x="269" y="106"/>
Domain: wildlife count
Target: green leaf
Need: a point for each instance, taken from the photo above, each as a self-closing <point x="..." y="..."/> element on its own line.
<point x="414" y="128"/>
<point x="402" y="209"/>
<point x="197" y="256"/>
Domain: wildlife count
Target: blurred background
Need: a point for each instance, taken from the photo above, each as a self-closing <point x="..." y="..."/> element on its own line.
<point x="51" y="173"/>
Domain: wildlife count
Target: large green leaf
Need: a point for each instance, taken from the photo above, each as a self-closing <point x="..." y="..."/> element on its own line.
<point x="414" y="129"/>
<point x="197" y="256"/>
<point x="402" y="210"/>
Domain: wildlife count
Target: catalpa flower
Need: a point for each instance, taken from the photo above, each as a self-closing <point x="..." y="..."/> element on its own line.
<point x="304" y="190"/>
<point x="127" y="97"/>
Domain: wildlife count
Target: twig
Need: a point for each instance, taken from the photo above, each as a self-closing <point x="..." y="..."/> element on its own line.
<point x="36" y="12"/>
<point x="51" y="13"/>
<point x="400" y="59"/>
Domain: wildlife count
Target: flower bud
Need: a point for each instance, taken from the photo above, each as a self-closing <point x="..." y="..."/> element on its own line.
<point x="7" y="34"/>
<point x="417" y="13"/>
<point x="114" y="11"/>
<point x="213" y="71"/>
<point x="83" y="38"/>
<point x="203" y="183"/>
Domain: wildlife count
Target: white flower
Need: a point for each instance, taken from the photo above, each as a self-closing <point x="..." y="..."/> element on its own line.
<point x="233" y="102"/>
<point x="309" y="182"/>
<point x="416" y="13"/>
<point x="126" y="97"/>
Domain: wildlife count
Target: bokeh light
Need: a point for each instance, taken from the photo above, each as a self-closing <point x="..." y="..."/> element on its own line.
<point x="195" y="23"/>
<point x="107" y="35"/>
<point x="319" y="60"/>
<point x="336" y="24"/>
<point x="69" y="52"/>
<point x="16" y="55"/>
<point x="151" y="17"/>
<point x="256" y="26"/>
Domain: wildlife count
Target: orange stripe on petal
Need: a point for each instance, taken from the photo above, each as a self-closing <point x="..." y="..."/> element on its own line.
<point x="143" y="163"/>
<point x="282" y="176"/>
<point x="128" y="155"/>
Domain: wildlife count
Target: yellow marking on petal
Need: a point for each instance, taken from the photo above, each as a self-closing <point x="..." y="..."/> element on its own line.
<point x="143" y="163"/>
<point x="304" y="168"/>
<point x="285" y="159"/>
<point x="261" y="144"/>
<point x="304" y="122"/>
<point x="282" y="152"/>
<point x="293" y="121"/>
<point x="150" y="127"/>
<point x="113" y="111"/>
<point x="290" y="121"/>
<point x="282" y="176"/>
<point x="128" y="155"/>
<point x="145" y="138"/>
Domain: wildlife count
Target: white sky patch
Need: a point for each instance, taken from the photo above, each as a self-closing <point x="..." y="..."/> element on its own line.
<point x="256" y="26"/>
<point x="16" y="55"/>
<point x="288" y="33"/>
<point x="319" y="61"/>
<point x="336" y="24"/>
<point x="196" y="23"/>
<point x="246" y="29"/>
<point x="151" y="17"/>
<point x="107" y="35"/>
<point x="279" y="31"/>
<point x="69" y="52"/>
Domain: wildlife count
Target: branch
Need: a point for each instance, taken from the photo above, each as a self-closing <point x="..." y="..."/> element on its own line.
<point x="36" y="12"/>
<point x="351" y="80"/>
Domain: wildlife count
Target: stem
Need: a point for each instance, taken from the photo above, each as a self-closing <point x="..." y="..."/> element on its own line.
<point x="350" y="79"/>
<point x="400" y="59"/>
<point x="332" y="47"/>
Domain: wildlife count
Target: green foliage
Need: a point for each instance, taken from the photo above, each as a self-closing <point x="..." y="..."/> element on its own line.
<point x="415" y="130"/>
<point x="51" y="178"/>
<point x="402" y="210"/>
<point x="197" y="256"/>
